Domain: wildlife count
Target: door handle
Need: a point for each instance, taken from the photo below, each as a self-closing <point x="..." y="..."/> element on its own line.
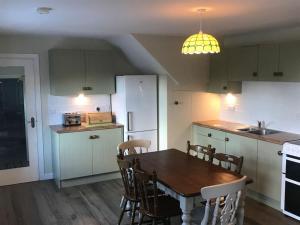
<point x="32" y="122"/>
<point x="129" y="121"/>
<point x="226" y="139"/>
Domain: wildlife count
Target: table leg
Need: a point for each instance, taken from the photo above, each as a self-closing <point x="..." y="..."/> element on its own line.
<point x="241" y="209"/>
<point x="186" y="205"/>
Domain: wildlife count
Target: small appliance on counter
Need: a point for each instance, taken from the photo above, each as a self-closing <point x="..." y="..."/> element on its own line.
<point x="98" y="118"/>
<point x="71" y="119"/>
<point x="290" y="185"/>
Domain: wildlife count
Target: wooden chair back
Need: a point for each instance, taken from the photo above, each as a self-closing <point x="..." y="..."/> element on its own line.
<point x="126" y="170"/>
<point x="226" y="161"/>
<point x="202" y="152"/>
<point x="233" y="197"/>
<point x="143" y="180"/>
<point x="131" y="147"/>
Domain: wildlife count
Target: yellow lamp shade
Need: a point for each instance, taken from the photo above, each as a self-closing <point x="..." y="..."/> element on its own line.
<point x="200" y="43"/>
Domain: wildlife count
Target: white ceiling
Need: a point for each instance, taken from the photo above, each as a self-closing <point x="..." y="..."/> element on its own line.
<point x="175" y="17"/>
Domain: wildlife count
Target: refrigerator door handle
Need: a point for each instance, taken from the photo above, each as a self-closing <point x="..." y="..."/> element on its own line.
<point x="129" y="121"/>
<point x="129" y="137"/>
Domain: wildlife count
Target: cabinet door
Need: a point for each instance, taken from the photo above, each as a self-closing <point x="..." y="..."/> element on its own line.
<point x="105" y="150"/>
<point x="242" y="63"/>
<point x="268" y="62"/>
<point x="100" y="78"/>
<point x="269" y="170"/>
<point x="289" y="66"/>
<point x="67" y="71"/>
<point x="76" y="155"/>
<point x="246" y="147"/>
<point x="218" y="73"/>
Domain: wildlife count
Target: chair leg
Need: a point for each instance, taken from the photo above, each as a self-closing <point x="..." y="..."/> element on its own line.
<point x="133" y="213"/>
<point x="122" y="213"/>
<point x="141" y="219"/>
<point x="122" y="202"/>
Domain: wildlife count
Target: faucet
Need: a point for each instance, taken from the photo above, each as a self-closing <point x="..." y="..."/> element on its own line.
<point x="261" y="124"/>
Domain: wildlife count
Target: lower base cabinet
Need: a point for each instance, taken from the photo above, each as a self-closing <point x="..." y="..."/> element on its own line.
<point x="87" y="153"/>
<point x="261" y="161"/>
<point x="269" y="170"/>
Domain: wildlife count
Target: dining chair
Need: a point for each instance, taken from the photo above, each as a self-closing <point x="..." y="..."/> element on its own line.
<point x="213" y="213"/>
<point x="206" y="152"/>
<point x="131" y="147"/>
<point x="159" y="208"/>
<point x="226" y="161"/>
<point x="130" y="192"/>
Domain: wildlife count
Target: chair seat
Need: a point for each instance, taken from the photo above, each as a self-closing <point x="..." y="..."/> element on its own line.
<point x="131" y="195"/>
<point x="166" y="207"/>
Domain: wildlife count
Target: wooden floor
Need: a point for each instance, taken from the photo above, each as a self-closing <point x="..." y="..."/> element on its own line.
<point x="40" y="203"/>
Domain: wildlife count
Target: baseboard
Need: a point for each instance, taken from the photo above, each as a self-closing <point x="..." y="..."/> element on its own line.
<point x="90" y="179"/>
<point x="46" y="176"/>
<point x="264" y="199"/>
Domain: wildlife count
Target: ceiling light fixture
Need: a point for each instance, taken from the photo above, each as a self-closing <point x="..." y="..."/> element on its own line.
<point x="200" y="43"/>
<point x="44" y="10"/>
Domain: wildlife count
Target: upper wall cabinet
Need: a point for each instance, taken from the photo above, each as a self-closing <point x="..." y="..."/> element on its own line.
<point x="75" y="71"/>
<point x="67" y="72"/>
<point x="242" y="63"/>
<point x="268" y="62"/>
<point x="99" y="72"/>
<point x="218" y="82"/>
<point x="289" y="62"/>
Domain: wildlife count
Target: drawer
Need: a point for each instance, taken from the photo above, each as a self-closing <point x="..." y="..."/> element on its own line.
<point x="216" y="134"/>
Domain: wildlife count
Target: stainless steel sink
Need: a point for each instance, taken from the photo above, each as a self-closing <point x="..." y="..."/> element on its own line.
<point x="255" y="130"/>
<point x="264" y="132"/>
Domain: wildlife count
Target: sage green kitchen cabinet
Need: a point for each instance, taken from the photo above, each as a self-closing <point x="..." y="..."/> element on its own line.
<point x="86" y="153"/>
<point x="242" y="63"/>
<point x="206" y="136"/>
<point x="105" y="150"/>
<point x="76" y="155"/>
<point x="67" y="71"/>
<point x="269" y="170"/>
<point x="289" y="66"/>
<point x="218" y="81"/>
<point x="100" y="78"/>
<point x="76" y="71"/>
<point x="246" y="147"/>
<point x="268" y="62"/>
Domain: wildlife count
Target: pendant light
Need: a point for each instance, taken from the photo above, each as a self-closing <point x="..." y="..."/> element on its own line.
<point x="200" y="43"/>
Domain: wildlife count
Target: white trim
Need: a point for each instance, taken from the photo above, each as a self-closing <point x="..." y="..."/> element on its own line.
<point x="47" y="176"/>
<point x="291" y="215"/>
<point x="39" y="121"/>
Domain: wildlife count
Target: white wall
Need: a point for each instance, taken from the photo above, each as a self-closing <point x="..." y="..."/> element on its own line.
<point x="275" y="102"/>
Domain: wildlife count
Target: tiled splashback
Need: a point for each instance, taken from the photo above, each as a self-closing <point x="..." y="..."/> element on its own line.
<point x="57" y="105"/>
<point x="275" y="102"/>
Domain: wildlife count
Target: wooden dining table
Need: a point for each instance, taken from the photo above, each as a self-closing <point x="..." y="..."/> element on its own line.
<point x="182" y="176"/>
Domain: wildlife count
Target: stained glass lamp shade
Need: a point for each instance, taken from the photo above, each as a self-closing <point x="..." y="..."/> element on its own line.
<point x="200" y="43"/>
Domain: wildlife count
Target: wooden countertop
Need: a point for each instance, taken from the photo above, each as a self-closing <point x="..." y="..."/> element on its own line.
<point x="60" y="129"/>
<point x="231" y="127"/>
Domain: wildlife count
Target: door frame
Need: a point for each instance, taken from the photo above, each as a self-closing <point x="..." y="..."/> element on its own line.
<point x="38" y="105"/>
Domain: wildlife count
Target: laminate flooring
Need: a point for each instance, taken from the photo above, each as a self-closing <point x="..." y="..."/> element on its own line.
<point x="40" y="203"/>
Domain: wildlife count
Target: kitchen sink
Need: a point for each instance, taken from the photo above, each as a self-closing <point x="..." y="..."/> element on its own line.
<point x="255" y="130"/>
<point x="264" y="132"/>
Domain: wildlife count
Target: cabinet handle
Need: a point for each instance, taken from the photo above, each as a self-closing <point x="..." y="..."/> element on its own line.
<point x="278" y="74"/>
<point x="279" y="153"/>
<point x="209" y="134"/>
<point x="224" y="88"/>
<point x="227" y="139"/>
<point x="87" y="88"/>
<point x="254" y="74"/>
<point x="94" y="137"/>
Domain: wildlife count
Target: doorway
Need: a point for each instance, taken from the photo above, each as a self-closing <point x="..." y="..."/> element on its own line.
<point x="20" y="119"/>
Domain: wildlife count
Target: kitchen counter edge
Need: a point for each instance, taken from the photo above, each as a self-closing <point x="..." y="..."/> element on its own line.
<point x="60" y="129"/>
<point x="231" y="127"/>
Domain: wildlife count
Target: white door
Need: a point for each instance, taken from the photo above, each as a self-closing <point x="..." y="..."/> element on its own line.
<point x="19" y="99"/>
<point x="146" y="135"/>
<point x="141" y="102"/>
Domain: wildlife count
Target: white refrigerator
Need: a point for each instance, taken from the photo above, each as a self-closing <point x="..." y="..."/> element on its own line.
<point x="135" y="106"/>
